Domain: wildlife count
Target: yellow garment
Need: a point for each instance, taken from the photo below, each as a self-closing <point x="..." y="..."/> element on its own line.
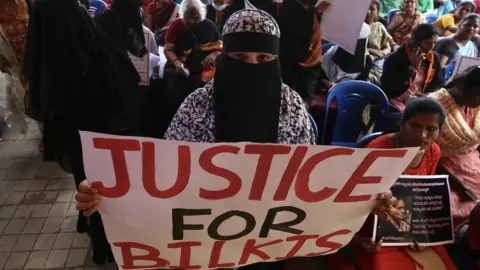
<point x="443" y="22"/>
<point x="457" y="135"/>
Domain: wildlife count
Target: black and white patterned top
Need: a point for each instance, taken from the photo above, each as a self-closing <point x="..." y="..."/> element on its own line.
<point x="251" y="20"/>
<point x="195" y="119"/>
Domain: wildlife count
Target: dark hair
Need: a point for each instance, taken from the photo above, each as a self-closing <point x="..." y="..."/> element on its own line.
<point x="424" y="31"/>
<point x="403" y="4"/>
<point x="467" y="2"/>
<point x="467" y="79"/>
<point x="424" y="105"/>
<point x="377" y="3"/>
<point x="468" y="17"/>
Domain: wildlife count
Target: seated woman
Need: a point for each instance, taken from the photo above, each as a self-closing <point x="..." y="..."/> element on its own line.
<point x="460" y="139"/>
<point x="216" y="10"/>
<point x="460" y="44"/>
<point x="193" y="44"/>
<point x="159" y="15"/>
<point x="380" y="43"/>
<point x="414" y="69"/>
<point x="459" y="142"/>
<point x="224" y="110"/>
<point x="448" y="24"/>
<point x="246" y="101"/>
<point x="339" y="65"/>
<point x="404" y="21"/>
<point x="445" y="7"/>
<point x="420" y="127"/>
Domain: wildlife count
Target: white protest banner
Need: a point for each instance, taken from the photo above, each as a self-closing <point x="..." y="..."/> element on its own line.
<point x="142" y="65"/>
<point x="342" y="22"/>
<point x="179" y="205"/>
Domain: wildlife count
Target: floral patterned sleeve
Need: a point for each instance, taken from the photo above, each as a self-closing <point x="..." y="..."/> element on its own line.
<point x="295" y="126"/>
<point x="192" y="123"/>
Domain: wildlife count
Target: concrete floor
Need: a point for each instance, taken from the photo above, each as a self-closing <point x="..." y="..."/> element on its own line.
<point x="37" y="210"/>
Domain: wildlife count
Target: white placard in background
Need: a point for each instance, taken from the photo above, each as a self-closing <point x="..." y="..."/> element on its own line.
<point x="143" y="64"/>
<point x="342" y="22"/>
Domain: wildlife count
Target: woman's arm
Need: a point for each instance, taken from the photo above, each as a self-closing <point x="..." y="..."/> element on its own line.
<point x="170" y="52"/>
<point x="443" y="60"/>
<point x="396" y="76"/>
<point x="394" y="23"/>
<point x="387" y="49"/>
<point x="452" y="28"/>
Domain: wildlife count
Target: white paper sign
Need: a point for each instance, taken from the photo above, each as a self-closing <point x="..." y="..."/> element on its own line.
<point x="143" y="64"/>
<point x="464" y="62"/>
<point x="179" y="205"/>
<point x="342" y="21"/>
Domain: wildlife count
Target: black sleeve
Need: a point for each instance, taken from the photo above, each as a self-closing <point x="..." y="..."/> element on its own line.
<point x="218" y="34"/>
<point x="396" y="75"/>
<point x="446" y="47"/>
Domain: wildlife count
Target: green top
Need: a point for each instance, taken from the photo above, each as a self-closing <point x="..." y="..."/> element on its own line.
<point x="425" y="5"/>
<point x="387" y="5"/>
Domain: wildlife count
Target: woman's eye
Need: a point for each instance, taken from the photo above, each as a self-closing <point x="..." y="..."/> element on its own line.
<point x="264" y="58"/>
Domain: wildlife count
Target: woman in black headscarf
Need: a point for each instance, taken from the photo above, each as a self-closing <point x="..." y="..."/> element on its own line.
<point x="247" y="100"/>
<point x="236" y="5"/>
<point x="300" y="49"/>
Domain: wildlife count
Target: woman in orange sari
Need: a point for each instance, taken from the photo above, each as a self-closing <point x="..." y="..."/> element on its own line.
<point x="14" y="22"/>
<point x="422" y="121"/>
<point x="459" y="142"/>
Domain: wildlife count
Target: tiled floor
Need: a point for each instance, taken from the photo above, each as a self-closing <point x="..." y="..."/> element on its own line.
<point x="37" y="210"/>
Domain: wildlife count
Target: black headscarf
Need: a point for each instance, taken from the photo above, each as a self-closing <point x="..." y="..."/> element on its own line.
<point x="247" y="96"/>
<point x="237" y="5"/>
<point x="296" y="23"/>
<point x="55" y="55"/>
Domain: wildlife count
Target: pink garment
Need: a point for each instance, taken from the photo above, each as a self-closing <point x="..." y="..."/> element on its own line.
<point x="415" y="89"/>
<point x="466" y="165"/>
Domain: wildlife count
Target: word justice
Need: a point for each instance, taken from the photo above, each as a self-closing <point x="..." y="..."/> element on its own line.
<point x="130" y="251"/>
<point x="297" y="171"/>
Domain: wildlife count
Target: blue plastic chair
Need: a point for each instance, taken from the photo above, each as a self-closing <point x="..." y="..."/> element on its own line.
<point x="352" y="97"/>
<point x="368" y="139"/>
<point x="390" y="15"/>
<point x="326" y="47"/>
<point x="314" y="126"/>
<point x="448" y="72"/>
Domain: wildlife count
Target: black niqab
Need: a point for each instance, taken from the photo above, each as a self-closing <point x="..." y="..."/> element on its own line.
<point x="247" y="101"/>
<point x="248" y="96"/>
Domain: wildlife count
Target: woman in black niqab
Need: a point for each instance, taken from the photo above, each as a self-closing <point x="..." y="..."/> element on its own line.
<point x="246" y="101"/>
<point x="247" y="95"/>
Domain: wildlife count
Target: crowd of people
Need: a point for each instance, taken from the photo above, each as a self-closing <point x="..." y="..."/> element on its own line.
<point x="234" y="71"/>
